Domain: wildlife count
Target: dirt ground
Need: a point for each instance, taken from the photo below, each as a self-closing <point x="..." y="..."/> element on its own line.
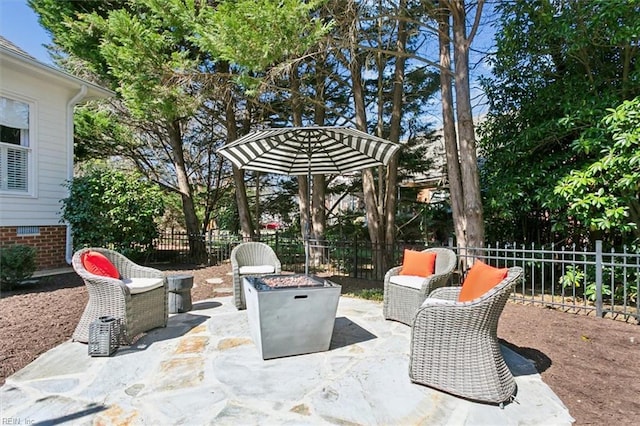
<point x="592" y="364"/>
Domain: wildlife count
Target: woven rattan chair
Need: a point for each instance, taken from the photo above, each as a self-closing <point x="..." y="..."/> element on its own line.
<point x="251" y="259"/>
<point x="402" y="301"/>
<point x="454" y="346"/>
<point x="138" y="312"/>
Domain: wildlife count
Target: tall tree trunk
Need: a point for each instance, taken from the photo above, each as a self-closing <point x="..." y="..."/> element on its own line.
<point x="197" y="248"/>
<point x="376" y="232"/>
<point x="380" y="254"/>
<point x="391" y="199"/>
<point x="318" y="219"/>
<point x="319" y="181"/>
<point x="244" y="212"/>
<point x="303" y="186"/>
<point x="466" y="133"/>
<point x="381" y="206"/>
<point x="456" y="193"/>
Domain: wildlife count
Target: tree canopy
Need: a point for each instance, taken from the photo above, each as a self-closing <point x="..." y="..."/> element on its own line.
<point x="558" y="70"/>
<point x="182" y="70"/>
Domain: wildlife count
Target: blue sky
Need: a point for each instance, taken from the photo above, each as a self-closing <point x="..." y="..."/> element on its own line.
<point x="19" y="24"/>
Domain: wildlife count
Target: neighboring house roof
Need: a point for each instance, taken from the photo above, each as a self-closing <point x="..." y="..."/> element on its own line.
<point x="436" y="175"/>
<point x="7" y="44"/>
<point x="12" y="55"/>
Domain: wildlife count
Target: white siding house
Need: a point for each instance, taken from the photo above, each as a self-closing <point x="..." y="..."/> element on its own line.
<point x="36" y="151"/>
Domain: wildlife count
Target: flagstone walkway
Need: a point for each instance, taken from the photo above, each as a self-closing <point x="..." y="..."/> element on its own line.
<point x="203" y="368"/>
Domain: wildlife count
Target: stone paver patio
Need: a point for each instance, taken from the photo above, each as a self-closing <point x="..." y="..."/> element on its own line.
<point x="205" y="369"/>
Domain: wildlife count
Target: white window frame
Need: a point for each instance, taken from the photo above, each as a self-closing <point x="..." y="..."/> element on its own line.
<point x="27" y="145"/>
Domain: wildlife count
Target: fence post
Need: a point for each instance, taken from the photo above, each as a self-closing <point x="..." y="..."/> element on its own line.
<point x="599" y="309"/>
<point x="209" y="247"/>
<point x="355" y="256"/>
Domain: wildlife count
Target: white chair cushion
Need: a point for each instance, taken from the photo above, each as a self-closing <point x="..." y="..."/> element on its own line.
<point x="407" y="281"/>
<point x="257" y="269"/>
<point x="140" y="285"/>
<point x="434" y="301"/>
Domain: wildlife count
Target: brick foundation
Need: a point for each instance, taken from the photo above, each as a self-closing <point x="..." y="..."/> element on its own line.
<point x="50" y="245"/>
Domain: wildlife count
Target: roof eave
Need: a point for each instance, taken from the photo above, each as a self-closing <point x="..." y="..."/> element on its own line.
<point x="94" y="91"/>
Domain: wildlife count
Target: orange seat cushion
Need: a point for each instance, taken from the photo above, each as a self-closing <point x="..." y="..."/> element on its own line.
<point x="418" y="263"/>
<point x="97" y="264"/>
<point x="480" y="279"/>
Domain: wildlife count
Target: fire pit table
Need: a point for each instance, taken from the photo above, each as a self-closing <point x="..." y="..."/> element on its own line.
<point x="291" y="314"/>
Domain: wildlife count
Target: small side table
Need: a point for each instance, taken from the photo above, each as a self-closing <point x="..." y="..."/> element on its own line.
<point x="179" y="296"/>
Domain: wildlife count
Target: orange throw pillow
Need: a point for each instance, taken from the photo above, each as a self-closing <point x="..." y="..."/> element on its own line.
<point x="418" y="263"/>
<point x="98" y="264"/>
<point x="480" y="279"/>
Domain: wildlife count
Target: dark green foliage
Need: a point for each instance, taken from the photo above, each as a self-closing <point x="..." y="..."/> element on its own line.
<point x="17" y="263"/>
<point x="349" y="226"/>
<point x="256" y="34"/>
<point x="58" y="16"/>
<point x="111" y="208"/>
<point x="282" y="202"/>
<point x="558" y="68"/>
<point x="604" y="194"/>
<point x="431" y="222"/>
<point x="99" y="134"/>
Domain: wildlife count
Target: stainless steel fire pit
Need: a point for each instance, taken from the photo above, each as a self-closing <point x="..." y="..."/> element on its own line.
<point x="291" y="314"/>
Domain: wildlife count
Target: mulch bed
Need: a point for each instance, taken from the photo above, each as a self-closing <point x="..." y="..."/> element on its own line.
<point x="592" y="364"/>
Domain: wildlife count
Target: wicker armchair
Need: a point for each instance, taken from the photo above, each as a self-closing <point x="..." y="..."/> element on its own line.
<point x="454" y="345"/>
<point x="401" y="301"/>
<point x="138" y="310"/>
<point x="251" y="259"/>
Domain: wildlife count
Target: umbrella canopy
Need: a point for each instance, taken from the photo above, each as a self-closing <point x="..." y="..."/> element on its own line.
<point x="309" y="150"/>
<point x="306" y="151"/>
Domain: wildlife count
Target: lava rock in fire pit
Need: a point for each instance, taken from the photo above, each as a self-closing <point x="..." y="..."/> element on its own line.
<point x="287" y="281"/>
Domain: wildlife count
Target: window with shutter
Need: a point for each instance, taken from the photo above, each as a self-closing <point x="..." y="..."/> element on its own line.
<point x="15" y="153"/>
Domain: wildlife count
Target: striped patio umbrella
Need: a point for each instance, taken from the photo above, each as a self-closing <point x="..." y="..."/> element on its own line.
<point x="308" y="151"/>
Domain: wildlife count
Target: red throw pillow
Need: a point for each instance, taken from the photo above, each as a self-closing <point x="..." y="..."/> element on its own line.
<point x="418" y="263"/>
<point x="98" y="264"/>
<point x="480" y="279"/>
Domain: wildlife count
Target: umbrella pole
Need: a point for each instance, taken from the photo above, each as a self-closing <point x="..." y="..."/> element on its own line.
<point x="308" y="226"/>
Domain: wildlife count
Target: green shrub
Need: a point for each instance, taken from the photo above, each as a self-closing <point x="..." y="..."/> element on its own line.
<point x="113" y="208"/>
<point x="17" y="263"/>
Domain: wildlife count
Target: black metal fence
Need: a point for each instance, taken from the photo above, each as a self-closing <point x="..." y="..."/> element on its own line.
<point x="598" y="282"/>
<point x="593" y="281"/>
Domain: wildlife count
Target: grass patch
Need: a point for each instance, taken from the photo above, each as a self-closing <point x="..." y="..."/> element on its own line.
<point x="376" y="294"/>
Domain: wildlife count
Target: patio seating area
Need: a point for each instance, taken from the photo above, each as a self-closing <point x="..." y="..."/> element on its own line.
<point x="203" y="368"/>
<point x="251" y="259"/>
<point x="454" y="345"/>
<point x="403" y="294"/>
<point x="136" y="294"/>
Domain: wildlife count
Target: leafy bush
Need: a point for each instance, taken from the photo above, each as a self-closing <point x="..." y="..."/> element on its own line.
<point x="17" y="263"/>
<point x="603" y="194"/>
<point x="112" y="208"/>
